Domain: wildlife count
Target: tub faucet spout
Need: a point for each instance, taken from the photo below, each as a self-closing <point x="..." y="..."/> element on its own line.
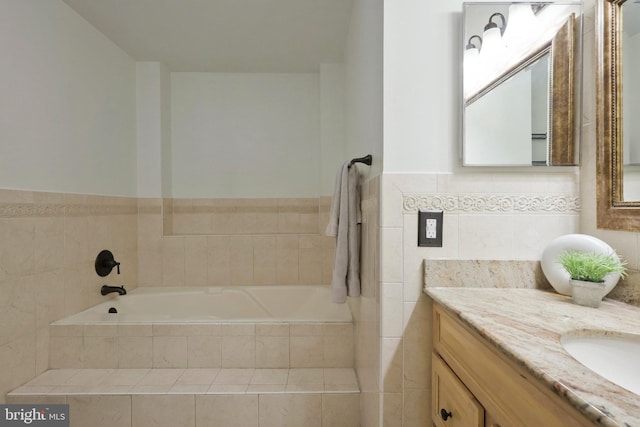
<point x="108" y="289"/>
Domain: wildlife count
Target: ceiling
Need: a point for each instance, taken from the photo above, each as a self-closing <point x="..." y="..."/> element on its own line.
<point x="224" y="35"/>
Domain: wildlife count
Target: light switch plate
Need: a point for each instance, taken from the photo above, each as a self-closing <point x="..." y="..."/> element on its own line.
<point x="430" y="228"/>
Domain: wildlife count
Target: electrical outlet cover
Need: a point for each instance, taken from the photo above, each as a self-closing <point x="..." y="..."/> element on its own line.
<point x="430" y="228"/>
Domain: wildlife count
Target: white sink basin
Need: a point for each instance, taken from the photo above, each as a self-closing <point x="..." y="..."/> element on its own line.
<point x="611" y="355"/>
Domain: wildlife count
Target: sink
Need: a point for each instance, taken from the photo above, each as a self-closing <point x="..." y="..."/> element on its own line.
<point x="614" y="356"/>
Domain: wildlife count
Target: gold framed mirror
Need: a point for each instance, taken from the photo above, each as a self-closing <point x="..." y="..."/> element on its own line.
<point x="618" y="208"/>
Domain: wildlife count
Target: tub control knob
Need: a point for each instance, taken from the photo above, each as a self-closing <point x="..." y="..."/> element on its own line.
<point x="105" y="263"/>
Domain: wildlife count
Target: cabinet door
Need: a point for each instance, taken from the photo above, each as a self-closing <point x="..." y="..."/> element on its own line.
<point x="453" y="405"/>
<point x="510" y="395"/>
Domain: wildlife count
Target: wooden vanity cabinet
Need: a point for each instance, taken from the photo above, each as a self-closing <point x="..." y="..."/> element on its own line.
<point x="450" y="397"/>
<point x="476" y="385"/>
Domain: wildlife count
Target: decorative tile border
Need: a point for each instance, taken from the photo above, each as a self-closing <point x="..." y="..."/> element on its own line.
<point x="36" y="210"/>
<point x="245" y="206"/>
<point x="503" y="203"/>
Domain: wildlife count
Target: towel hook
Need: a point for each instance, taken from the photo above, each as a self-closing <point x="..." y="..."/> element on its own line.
<point x="366" y="160"/>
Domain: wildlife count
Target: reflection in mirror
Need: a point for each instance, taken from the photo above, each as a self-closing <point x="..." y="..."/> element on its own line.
<point x="501" y="132"/>
<point x="518" y="84"/>
<point x="630" y="99"/>
<point x="618" y="199"/>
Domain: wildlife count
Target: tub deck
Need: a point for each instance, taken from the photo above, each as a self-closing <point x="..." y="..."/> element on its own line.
<point x="68" y="382"/>
<point x="216" y="304"/>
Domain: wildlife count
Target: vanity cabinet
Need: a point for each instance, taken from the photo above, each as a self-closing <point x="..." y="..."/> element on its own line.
<point x="450" y="397"/>
<point x="474" y="384"/>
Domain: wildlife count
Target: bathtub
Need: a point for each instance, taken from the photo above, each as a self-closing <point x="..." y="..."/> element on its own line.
<point x="234" y="304"/>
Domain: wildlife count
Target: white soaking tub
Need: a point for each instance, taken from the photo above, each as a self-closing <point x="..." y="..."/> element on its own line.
<point x="233" y="304"/>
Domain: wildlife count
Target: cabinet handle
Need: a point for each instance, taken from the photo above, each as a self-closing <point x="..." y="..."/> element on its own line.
<point x="445" y="415"/>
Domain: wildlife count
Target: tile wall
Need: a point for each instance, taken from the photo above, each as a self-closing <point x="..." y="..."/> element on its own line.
<point x="246" y="216"/>
<point x="48" y="245"/>
<point x="242" y="345"/>
<point x="366" y="308"/>
<point x="506" y="216"/>
<point x="270" y="241"/>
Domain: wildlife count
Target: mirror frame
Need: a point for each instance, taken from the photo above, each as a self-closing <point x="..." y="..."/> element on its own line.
<point x="613" y="212"/>
<point x="561" y="49"/>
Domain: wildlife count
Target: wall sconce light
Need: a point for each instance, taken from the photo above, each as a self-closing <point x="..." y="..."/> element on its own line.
<point x="472" y="60"/>
<point x="471" y="46"/>
<point x="491" y="25"/>
<point x="505" y="41"/>
<point x="522" y="25"/>
<point x="492" y="43"/>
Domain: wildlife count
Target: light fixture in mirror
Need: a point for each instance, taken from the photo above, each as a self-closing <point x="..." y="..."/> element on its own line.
<point x="618" y="94"/>
<point x="518" y="83"/>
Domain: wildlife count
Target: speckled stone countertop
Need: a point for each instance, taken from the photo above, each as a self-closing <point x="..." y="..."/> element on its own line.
<point x="526" y="325"/>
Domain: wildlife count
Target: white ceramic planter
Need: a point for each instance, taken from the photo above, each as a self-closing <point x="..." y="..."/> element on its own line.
<point x="556" y="274"/>
<point x="588" y="294"/>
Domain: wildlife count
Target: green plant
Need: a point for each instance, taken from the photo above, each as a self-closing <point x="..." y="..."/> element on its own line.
<point x="591" y="266"/>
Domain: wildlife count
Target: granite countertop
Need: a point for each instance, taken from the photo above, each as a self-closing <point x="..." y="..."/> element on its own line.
<point x="526" y="325"/>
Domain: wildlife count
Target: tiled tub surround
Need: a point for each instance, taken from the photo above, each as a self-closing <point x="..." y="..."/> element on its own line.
<point x="92" y="223"/>
<point x="246" y="216"/>
<point x="212" y="327"/>
<point x="258" y="248"/>
<point x="526" y="326"/>
<point x="48" y="244"/>
<point x="214" y="345"/>
<point x="310" y="397"/>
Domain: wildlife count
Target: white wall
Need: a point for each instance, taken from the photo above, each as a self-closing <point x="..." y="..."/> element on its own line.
<point x="245" y="135"/>
<point x="165" y="139"/>
<point x="422" y="42"/>
<point x="67" y="109"/>
<point x="154" y="129"/>
<point x="364" y="97"/>
<point x="332" y="124"/>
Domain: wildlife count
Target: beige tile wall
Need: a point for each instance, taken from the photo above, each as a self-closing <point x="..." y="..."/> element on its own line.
<point x="246" y="345"/>
<point x="48" y="245"/>
<point x="244" y="216"/>
<point x="291" y="249"/>
<point x="366" y="308"/>
<point x="507" y="216"/>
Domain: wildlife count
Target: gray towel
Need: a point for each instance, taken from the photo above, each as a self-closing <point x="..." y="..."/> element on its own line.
<point x="344" y="224"/>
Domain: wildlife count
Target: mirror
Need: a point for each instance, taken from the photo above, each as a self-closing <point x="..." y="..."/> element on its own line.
<point x="518" y="84"/>
<point x="618" y="40"/>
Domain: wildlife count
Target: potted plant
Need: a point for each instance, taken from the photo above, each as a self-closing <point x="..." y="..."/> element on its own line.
<point x="588" y="271"/>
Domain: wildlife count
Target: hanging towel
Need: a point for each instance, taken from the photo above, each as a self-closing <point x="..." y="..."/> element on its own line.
<point x="344" y="224"/>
